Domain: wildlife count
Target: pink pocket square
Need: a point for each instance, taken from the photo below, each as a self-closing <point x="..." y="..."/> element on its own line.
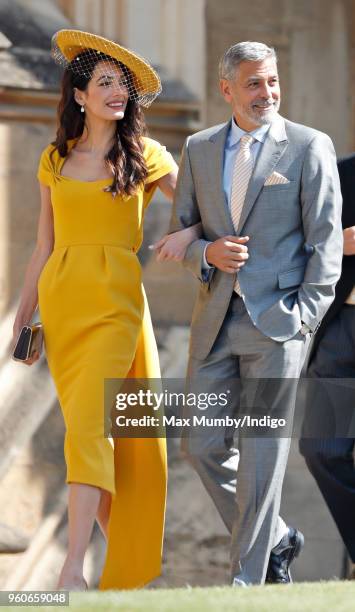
<point x="276" y="179"/>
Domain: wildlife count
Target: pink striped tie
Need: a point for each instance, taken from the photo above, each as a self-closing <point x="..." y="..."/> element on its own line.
<point x="242" y="172"/>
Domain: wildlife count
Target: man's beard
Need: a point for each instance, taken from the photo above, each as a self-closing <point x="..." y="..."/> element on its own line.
<point x="261" y="118"/>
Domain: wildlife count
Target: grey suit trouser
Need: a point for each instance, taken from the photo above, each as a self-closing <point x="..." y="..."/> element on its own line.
<point x="244" y="477"/>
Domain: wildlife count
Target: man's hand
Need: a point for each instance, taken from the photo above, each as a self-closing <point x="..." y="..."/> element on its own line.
<point x="349" y="240"/>
<point x="228" y="254"/>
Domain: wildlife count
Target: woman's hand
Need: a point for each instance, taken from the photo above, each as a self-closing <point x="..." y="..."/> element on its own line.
<point x="172" y="247"/>
<point x="33" y="359"/>
<point x="16" y="332"/>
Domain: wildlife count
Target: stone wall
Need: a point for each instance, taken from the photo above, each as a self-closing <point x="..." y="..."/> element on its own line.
<point x="170" y="34"/>
<point x="21" y="145"/>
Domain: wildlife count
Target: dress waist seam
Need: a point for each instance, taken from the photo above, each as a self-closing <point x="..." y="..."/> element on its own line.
<point x="78" y="244"/>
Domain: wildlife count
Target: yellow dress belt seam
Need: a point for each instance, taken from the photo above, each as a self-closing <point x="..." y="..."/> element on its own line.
<point x="120" y="246"/>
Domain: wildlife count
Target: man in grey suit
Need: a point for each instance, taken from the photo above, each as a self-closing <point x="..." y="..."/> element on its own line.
<point x="266" y="192"/>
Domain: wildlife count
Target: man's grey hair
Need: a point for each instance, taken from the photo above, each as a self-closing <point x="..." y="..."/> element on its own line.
<point x="243" y="52"/>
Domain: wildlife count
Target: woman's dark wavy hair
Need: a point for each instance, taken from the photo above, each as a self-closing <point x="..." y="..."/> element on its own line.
<point x="125" y="159"/>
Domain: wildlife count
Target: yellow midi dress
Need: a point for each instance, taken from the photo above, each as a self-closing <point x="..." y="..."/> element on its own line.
<point x="97" y="325"/>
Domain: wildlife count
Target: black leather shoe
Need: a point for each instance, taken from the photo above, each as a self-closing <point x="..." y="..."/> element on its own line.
<point x="281" y="557"/>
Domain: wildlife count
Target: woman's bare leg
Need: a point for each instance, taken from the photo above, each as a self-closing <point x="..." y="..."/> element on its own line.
<point x="83" y="504"/>
<point x="103" y="513"/>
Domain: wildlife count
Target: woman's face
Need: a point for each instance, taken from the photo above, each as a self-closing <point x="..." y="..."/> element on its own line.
<point x="106" y="95"/>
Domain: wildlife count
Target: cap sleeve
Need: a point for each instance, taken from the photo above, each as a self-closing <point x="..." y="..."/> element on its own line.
<point x="159" y="161"/>
<point x="45" y="167"/>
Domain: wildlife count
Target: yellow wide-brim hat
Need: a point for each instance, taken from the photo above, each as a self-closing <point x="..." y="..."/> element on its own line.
<point x="68" y="44"/>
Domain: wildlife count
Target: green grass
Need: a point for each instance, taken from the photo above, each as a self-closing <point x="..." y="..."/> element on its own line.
<point x="307" y="597"/>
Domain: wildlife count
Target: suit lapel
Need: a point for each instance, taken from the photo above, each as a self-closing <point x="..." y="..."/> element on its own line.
<point x="271" y="151"/>
<point x="216" y="153"/>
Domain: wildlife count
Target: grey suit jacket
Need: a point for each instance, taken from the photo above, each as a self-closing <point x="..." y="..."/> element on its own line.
<point x="296" y="240"/>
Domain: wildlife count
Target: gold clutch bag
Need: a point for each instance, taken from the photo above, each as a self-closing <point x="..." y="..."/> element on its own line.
<point x="30" y="340"/>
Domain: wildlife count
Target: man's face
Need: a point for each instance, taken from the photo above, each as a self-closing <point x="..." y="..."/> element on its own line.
<point x="254" y="93"/>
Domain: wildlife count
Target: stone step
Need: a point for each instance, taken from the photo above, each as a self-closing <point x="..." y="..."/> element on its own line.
<point x="39" y="543"/>
<point x="27" y="396"/>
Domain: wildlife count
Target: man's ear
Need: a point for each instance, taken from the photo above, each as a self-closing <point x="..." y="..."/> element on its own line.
<point x="224" y="87"/>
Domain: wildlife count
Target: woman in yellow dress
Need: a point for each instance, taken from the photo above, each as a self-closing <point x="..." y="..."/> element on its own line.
<point x="96" y="181"/>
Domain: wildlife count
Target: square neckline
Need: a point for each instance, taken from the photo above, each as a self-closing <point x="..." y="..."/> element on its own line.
<point x="70" y="144"/>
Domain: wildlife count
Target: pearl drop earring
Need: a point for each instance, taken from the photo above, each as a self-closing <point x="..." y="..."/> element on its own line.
<point x="82" y="109"/>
